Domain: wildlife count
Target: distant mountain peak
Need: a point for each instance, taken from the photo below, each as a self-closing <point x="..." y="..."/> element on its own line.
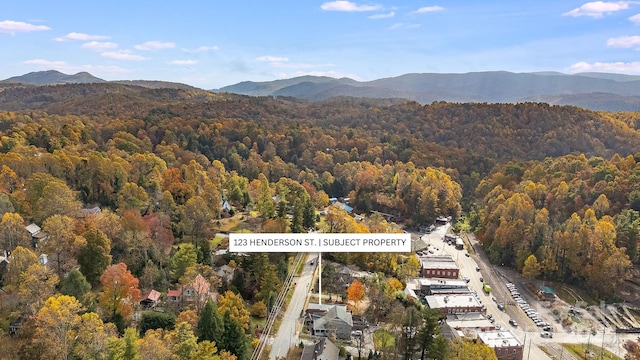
<point x="53" y="77"/>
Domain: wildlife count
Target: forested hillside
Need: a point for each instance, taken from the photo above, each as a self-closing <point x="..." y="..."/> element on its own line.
<point x="556" y="183"/>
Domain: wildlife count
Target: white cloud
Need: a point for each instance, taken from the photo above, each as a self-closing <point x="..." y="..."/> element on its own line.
<point x="597" y="9"/>
<point x="635" y="19"/>
<point x="96" y="70"/>
<point x="99" y="45"/>
<point x="624" y="42"/>
<point x="272" y="59"/>
<point x="122" y="55"/>
<point x="202" y="49"/>
<point x="183" y="62"/>
<point x="398" y="26"/>
<point x="383" y="16"/>
<point x="615" y="67"/>
<point x="80" y="36"/>
<point x="12" y="27"/>
<point x="288" y="65"/>
<point x="343" y="5"/>
<point x="428" y="9"/>
<point x="155" y="45"/>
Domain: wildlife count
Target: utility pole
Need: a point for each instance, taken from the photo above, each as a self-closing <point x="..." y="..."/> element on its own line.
<point x="602" y="348"/>
<point x="319" y="278"/>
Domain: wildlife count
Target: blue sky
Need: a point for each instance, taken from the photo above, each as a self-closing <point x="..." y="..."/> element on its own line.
<point x="211" y="43"/>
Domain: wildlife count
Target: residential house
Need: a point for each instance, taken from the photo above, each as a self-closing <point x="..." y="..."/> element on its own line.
<point x="197" y="292"/>
<point x="335" y="320"/>
<point x="323" y="349"/>
<point x="150" y="299"/>
<point x="343" y="206"/>
<point x="225" y="272"/>
<point x="36" y="234"/>
<point x="344" y="278"/>
<point x="94" y="211"/>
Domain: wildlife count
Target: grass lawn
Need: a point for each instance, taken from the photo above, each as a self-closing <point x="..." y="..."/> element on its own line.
<point x="254" y="321"/>
<point x="232" y="223"/>
<point x="579" y="351"/>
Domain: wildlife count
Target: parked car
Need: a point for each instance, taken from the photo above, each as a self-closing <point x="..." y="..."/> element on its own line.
<point x="547" y="328"/>
<point x="546" y="335"/>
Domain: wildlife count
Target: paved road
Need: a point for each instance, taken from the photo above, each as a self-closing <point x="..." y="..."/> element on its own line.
<point x="288" y="332"/>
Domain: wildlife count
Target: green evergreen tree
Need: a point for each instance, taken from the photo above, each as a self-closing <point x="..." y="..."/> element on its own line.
<point x="156" y="320"/>
<point x="75" y="284"/>
<point x="308" y="215"/>
<point x="297" y="218"/>
<point x="95" y="256"/>
<point x="185" y="257"/>
<point x="234" y="340"/>
<point x="210" y="325"/>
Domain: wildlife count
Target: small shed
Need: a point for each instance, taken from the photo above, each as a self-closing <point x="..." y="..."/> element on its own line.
<point x="150" y="299"/>
<point x="546" y="293"/>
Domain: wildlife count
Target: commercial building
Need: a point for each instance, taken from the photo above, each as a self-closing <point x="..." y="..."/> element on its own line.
<point x="438" y="266"/>
<point x="454" y="304"/>
<point x="505" y="344"/>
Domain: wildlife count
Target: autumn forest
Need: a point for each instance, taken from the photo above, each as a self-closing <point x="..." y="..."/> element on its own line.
<point x="552" y="191"/>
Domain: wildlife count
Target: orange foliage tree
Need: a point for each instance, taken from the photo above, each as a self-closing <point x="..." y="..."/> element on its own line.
<point x="120" y="291"/>
<point x="355" y="293"/>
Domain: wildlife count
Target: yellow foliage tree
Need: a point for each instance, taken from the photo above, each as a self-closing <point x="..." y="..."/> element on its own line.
<point x="234" y="305"/>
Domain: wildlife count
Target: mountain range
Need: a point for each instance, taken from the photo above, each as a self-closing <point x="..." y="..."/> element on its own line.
<point x="53" y="77"/>
<point x="595" y="91"/>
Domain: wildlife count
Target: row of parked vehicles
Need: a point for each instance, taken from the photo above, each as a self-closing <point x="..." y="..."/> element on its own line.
<point x="533" y="315"/>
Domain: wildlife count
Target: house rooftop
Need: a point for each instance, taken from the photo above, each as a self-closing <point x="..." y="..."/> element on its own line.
<point x="323" y="349"/>
<point x="91" y="211"/>
<point x="33" y="229"/>
<point x="323" y="307"/>
<point x="151" y="295"/>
